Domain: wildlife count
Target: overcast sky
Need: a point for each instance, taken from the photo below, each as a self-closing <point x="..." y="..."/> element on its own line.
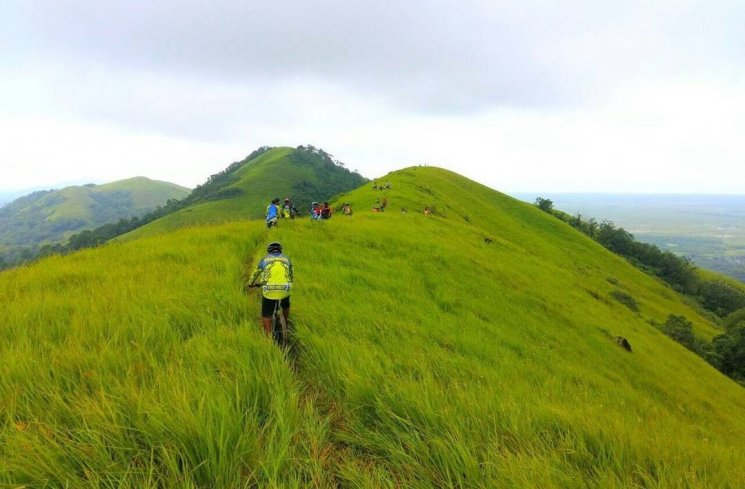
<point x="550" y="96"/>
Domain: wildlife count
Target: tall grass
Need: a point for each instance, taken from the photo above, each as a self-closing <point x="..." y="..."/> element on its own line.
<point x="458" y="361"/>
<point x="471" y="348"/>
<point x="140" y="365"/>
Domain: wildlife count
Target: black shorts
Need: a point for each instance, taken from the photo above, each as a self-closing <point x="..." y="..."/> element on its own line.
<point x="267" y="305"/>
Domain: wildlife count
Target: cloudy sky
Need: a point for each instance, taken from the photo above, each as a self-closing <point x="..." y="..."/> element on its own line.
<point x="551" y="96"/>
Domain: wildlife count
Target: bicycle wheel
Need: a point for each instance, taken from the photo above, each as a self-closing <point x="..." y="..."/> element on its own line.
<point x="279" y="330"/>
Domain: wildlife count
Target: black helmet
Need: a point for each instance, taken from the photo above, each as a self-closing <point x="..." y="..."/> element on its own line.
<point x="274" y="248"/>
<point x="275" y="200"/>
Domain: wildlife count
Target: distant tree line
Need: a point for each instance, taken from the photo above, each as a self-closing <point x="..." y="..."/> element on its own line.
<point x="724" y="299"/>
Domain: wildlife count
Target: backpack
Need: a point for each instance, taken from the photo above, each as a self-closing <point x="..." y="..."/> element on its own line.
<point x="277" y="276"/>
<point x="326" y="212"/>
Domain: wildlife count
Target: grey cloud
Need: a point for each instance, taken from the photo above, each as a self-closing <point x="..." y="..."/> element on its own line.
<point x="428" y="55"/>
<point x="424" y="56"/>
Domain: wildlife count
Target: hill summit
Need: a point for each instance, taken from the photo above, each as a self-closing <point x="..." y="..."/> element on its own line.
<point x="472" y="347"/>
<point x="244" y="188"/>
<point x="52" y="216"/>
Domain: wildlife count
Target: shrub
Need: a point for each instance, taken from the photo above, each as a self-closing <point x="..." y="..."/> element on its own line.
<point x="680" y="329"/>
<point x="625" y="299"/>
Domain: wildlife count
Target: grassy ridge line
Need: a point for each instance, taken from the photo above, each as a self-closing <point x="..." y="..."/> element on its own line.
<point x="469" y="363"/>
<point x="140" y="365"/>
<point x="525" y="231"/>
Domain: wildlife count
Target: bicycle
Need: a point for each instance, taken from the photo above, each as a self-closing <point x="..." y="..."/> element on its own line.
<point x="279" y="327"/>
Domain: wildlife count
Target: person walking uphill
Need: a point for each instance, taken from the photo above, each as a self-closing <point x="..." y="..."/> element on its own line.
<point x="272" y="213"/>
<point x="275" y="270"/>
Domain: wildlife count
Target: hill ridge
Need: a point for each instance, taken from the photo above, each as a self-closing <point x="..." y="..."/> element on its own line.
<point x="244" y="189"/>
<point x="436" y="358"/>
<point x="52" y="216"/>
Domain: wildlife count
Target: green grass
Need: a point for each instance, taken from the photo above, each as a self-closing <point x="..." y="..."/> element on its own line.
<point x="425" y="357"/>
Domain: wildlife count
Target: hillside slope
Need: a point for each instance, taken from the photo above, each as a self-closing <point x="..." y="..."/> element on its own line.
<point x="52" y="216"/>
<point x="305" y="174"/>
<point x="470" y="348"/>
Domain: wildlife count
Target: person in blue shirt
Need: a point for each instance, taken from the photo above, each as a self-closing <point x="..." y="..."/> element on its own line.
<point x="272" y="213"/>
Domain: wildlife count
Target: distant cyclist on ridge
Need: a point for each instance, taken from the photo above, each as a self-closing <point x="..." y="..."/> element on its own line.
<point x="276" y="274"/>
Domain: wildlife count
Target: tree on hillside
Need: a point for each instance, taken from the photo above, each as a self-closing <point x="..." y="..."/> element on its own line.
<point x="546" y="205"/>
<point x="720" y="297"/>
<point x="615" y="239"/>
<point x="730" y="350"/>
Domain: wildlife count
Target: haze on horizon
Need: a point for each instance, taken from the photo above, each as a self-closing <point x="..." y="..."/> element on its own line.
<point x="528" y="96"/>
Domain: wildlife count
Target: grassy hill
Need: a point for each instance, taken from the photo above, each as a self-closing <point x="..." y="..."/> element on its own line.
<point x="470" y="348"/>
<point x="305" y="174"/>
<point x="51" y="216"/>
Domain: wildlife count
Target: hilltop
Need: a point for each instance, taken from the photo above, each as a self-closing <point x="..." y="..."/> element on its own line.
<point x="244" y="189"/>
<point x="52" y="216"/>
<point x="475" y="347"/>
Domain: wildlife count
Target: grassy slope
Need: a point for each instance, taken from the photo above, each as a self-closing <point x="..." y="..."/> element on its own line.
<point x="251" y="203"/>
<point x="144" y="195"/>
<point x="272" y="174"/>
<point x="426" y="357"/>
<point x="89" y="206"/>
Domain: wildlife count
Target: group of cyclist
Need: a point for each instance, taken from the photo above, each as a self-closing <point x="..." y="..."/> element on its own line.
<point x="318" y="210"/>
<point x="274" y="271"/>
<point x="276" y="211"/>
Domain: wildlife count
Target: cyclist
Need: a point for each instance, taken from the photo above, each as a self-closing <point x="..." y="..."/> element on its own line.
<point x="276" y="274"/>
<point x="325" y="211"/>
<point x="288" y="210"/>
<point x="272" y="213"/>
<point x="315" y="211"/>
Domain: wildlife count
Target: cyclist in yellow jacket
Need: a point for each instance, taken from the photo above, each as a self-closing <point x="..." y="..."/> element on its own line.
<point x="276" y="273"/>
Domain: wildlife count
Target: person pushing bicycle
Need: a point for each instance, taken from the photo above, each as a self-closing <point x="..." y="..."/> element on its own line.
<point x="276" y="274"/>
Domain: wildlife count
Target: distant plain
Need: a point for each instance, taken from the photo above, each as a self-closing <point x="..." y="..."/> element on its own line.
<point x="708" y="228"/>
